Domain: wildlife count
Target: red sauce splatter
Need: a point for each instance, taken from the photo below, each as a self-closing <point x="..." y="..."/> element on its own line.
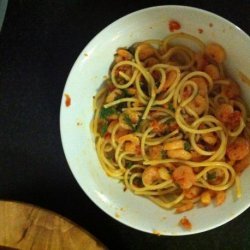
<point x="200" y="31"/>
<point x="211" y="25"/>
<point x="185" y="223"/>
<point x="68" y="100"/>
<point x="174" y="25"/>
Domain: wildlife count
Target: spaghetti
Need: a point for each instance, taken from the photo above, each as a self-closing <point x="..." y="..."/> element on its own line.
<point x="171" y="124"/>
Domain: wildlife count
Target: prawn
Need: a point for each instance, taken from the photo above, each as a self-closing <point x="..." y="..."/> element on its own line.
<point x="113" y="95"/>
<point x="175" y="150"/>
<point x="184" y="176"/>
<point x="158" y="127"/>
<point x="177" y="144"/>
<point x="200" y="61"/>
<point x="112" y="125"/>
<point x="130" y="147"/>
<point x="201" y="84"/>
<point x="170" y="77"/>
<point x="145" y="51"/>
<point x="212" y="71"/>
<point x="185" y="207"/>
<point x="128" y="119"/>
<point x="232" y="90"/>
<point x="131" y="142"/>
<point x="121" y="132"/>
<point x="150" y="61"/>
<point x="209" y="138"/>
<point x="238" y="149"/>
<point x="220" y="198"/>
<point x="223" y="111"/>
<point x="215" y="52"/>
<point x="129" y="137"/>
<point x="202" y="87"/>
<point x="192" y="192"/>
<point x="122" y="55"/>
<point x="206" y="198"/>
<point x="150" y="175"/>
<point x="154" y="173"/>
<point x="226" y="114"/>
<point x="215" y="177"/>
<point x="179" y="154"/>
<point x="196" y="157"/>
<point x="131" y="91"/>
<point x="241" y="165"/>
<point x="199" y="104"/>
<point x="133" y="116"/>
<point x="155" y="152"/>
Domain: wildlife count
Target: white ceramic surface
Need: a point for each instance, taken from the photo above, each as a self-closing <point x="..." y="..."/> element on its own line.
<point x="3" y="7"/>
<point x="87" y="75"/>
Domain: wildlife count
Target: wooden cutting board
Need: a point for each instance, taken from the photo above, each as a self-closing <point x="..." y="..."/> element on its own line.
<point x="24" y="226"/>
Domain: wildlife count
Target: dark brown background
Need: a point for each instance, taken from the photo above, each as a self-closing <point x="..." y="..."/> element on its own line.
<point x="39" y="43"/>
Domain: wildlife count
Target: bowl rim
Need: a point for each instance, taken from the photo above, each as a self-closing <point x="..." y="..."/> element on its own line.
<point x="79" y="58"/>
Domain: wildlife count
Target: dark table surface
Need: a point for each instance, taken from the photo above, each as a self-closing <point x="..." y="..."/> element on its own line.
<point x="39" y="43"/>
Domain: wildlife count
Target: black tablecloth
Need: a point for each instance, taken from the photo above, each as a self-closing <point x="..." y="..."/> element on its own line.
<point x="39" y="43"/>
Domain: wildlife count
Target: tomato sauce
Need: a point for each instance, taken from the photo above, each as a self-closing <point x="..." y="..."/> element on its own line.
<point x="68" y="100"/>
<point x="174" y="25"/>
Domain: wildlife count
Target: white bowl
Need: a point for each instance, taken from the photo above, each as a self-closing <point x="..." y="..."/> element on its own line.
<point x="87" y="75"/>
